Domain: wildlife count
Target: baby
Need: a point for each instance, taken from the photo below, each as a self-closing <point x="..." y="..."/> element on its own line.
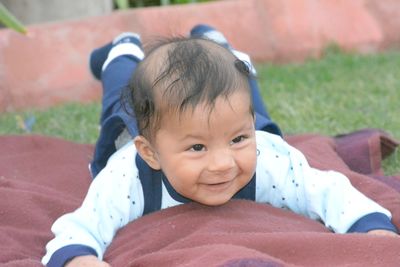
<point x="197" y="135"/>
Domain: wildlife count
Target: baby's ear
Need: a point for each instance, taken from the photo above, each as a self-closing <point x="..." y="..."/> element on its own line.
<point x="146" y="151"/>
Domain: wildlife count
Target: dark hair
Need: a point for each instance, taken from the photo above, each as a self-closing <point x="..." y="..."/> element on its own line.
<point x="178" y="74"/>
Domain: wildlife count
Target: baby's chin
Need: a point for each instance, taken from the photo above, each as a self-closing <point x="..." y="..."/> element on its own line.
<point x="215" y="201"/>
<point x="214" y="196"/>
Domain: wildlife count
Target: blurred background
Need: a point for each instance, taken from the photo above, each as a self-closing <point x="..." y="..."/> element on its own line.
<point x="39" y="11"/>
<point x="324" y="66"/>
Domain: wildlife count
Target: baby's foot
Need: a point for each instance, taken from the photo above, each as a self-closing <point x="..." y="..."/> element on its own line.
<point x="99" y="55"/>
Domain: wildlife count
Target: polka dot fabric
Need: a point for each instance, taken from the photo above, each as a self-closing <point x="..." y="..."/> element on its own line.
<point x="285" y="179"/>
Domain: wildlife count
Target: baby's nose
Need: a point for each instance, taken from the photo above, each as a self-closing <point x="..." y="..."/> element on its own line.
<point x="221" y="161"/>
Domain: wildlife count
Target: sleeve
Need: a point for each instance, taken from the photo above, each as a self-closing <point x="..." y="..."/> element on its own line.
<point x="114" y="198"/>
<point x="289" y="182"/>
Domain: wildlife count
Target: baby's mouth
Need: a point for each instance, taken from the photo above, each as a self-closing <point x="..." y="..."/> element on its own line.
<point x="219" y="186"/>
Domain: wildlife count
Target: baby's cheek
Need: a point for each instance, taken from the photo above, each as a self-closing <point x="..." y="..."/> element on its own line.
<point x="184" y="176"/>
<point x="249" y="160"/>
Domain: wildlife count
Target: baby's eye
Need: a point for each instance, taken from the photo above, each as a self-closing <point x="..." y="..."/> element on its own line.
<point x="238" y="139"/>
<point x="197" y="147"/>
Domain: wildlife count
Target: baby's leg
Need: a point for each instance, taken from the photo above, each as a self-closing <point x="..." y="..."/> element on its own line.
<point x="263" y="120"/>
<point x="115" y="71"/>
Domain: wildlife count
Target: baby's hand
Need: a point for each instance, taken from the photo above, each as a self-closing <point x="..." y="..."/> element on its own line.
<point x="383" y="232"/>
<point x="89" y="261"/>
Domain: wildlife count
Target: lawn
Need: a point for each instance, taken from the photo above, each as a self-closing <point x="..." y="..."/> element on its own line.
<point x="337" y="94"/>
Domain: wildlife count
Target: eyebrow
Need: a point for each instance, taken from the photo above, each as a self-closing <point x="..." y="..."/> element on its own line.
<point x="243" y="127"/>
<point x="190" y="136"/>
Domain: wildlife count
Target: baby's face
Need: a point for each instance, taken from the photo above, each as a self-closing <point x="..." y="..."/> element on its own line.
<point x="208" y="157"/>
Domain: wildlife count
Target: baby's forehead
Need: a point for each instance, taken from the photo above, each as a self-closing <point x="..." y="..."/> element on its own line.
<point x="185" y="72"/>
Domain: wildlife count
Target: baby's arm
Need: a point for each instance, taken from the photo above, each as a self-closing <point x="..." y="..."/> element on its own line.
<point x="329" y="196"/>
<point x="114" y="198"/>
<point x="321" y="195"/>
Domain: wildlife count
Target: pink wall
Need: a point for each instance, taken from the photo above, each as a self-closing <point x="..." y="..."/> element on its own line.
<point x="49" y="66"/>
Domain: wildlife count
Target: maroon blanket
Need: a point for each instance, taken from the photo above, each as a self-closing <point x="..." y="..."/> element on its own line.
<point x="42" y="178"/>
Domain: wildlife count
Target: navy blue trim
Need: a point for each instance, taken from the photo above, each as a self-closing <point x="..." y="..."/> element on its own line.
<point x="105" y="146"/>
<point x="175" y="195"/>
<point x="64" y="254"/>
<point x="372" y="221"/>
<point x="248" y="191"/>
<point x="151" y="183"/>
<point x="264" y="124"/>
<point x="97" y="59"/>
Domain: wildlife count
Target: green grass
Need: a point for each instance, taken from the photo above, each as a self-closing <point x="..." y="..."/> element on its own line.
<point x="337" y="94"/>
<point x="75" y="122"/>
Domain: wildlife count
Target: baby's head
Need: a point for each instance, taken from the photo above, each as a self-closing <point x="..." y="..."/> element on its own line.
<point x="180" y="73"/>
<point x="193" y="107"/>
